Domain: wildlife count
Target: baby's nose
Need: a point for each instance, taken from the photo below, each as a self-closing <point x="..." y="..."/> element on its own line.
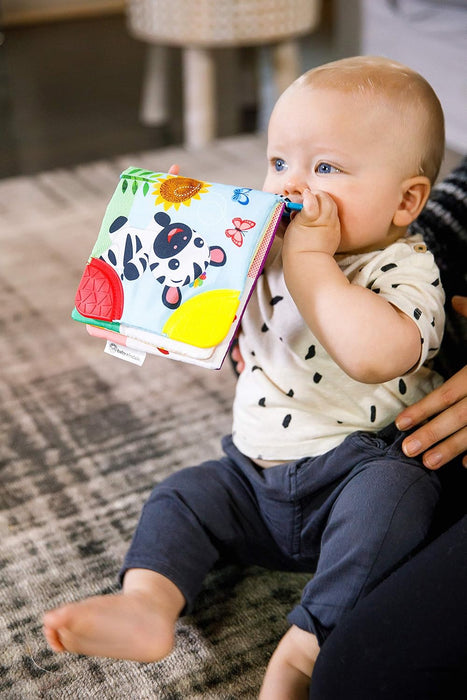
<point x="294" y="187"/>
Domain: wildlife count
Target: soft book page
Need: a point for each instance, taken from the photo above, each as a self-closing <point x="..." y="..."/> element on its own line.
<point x="174" y="265"/>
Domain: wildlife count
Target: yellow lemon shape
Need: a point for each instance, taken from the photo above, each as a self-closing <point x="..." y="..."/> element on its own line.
<point x="205" y="319"/>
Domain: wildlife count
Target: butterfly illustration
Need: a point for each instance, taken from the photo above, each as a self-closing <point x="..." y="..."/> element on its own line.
<point x="237" y="233"/>
<point x="240" y="195"/>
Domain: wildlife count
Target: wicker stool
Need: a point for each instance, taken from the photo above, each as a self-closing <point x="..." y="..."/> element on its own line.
<point x="200" y="25"/>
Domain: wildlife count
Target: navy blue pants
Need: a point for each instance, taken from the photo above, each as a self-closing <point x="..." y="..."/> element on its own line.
<point x="349" y="516"/>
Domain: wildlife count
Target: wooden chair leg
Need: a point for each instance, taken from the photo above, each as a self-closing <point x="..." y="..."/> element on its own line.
<point x="278" y="66"/>
<point x="199" y="97"/>
<point x="154" y="106"/>
<point x="286" y="64"/>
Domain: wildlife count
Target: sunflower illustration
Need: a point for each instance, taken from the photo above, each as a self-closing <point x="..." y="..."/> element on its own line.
<point x="173" y="191"/>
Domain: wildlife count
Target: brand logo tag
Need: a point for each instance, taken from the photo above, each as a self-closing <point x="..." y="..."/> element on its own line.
<point x="136" y="357"/>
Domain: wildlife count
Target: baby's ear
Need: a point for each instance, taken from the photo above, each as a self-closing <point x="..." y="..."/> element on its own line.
<point x="415" y="192"/>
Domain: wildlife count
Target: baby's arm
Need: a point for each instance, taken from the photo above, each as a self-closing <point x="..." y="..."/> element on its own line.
<point x="289" y="670"/>
<point x="368" y="338"/>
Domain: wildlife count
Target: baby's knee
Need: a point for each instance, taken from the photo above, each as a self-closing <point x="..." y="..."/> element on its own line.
<point x="388" y="508"/>
<point x="395" y="487"/>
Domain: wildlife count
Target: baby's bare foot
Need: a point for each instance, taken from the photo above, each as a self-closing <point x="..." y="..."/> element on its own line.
<point x="121" y="626"/>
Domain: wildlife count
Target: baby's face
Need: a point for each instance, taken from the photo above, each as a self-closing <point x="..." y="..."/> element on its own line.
<point x="345" y="145"/>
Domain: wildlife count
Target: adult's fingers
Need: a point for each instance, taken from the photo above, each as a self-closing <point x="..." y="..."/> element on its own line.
<point x="441" y="439"/>
<point x="444" y="396"/>
<point x="460" y="305"/>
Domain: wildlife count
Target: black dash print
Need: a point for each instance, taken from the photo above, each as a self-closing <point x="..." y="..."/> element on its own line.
<point x="264" y="328"/>
<point x="311" y="352"/>
<point x="290" y="393"/>
<point x="286" y="421"/>
<point x="402" y="387"/>
<point x="372" y="414"/>
<point x="433" y="323"/>
<point x="262" y="401"/>
<point x="256" y="367"/>
<point x="376" y="290"/>
<point x="339" y="422"/>
<point x="275" y="300"/>
<point x="389" y="266"/>
<point x="394" y="286"/>
<point x="317" y="377"/>
<point x="436" y="283"/>
<point x="417" y="313"/>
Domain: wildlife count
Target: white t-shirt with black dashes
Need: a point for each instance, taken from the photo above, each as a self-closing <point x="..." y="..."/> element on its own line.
<point x="292" y="400"/>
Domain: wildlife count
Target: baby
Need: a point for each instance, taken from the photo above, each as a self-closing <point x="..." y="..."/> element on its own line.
<point x="334" y="344"/>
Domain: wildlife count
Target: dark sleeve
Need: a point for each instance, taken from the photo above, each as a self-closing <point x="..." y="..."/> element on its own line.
<point x="443" y="226"/>
<point x="407" y="639"/>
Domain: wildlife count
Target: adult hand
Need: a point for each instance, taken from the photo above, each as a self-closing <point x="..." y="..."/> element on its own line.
<point x="444" y="436"/>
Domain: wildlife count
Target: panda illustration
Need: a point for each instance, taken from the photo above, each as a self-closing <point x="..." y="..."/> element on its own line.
<point x="176" y="255"/>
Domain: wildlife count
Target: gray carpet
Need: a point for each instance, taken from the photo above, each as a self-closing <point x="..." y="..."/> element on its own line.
<point x="84" y="437"/>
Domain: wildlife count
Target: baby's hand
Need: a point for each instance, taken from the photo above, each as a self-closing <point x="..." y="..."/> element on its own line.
<point x="316" y="228"/>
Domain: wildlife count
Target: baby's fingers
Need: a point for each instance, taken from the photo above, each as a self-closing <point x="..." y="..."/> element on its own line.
<point x="318" y="205"/>
<point x="237" y="358"/>
<point x="311" y="208"/>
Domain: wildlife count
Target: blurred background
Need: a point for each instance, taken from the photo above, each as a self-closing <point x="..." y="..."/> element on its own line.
<point x="78" y="83"/>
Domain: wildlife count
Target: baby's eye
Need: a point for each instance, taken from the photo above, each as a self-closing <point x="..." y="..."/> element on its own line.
<point x="326" y="169"/>
<point x="279" y="165"/>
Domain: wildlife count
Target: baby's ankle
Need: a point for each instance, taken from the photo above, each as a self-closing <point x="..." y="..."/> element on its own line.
<point x="155" y="591"/>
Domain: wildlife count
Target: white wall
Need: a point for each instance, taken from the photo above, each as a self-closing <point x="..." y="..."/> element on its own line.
<point x="430" y="36"/>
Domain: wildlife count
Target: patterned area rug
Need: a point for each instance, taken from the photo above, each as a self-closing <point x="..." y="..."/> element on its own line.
<point x="84" y="437"/>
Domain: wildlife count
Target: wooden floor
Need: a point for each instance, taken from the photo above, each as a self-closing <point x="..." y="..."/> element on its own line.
<point x="65" y="199"/>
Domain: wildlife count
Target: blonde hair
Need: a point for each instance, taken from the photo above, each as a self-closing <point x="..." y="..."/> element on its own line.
<point x="418" y="107"/>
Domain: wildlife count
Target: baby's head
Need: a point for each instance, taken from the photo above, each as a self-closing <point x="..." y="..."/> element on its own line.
<point x="405" y="100"/>
<point x="370" y="133"/>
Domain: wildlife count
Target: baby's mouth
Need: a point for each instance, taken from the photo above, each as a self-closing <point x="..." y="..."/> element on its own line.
<point x="290" y="207"/>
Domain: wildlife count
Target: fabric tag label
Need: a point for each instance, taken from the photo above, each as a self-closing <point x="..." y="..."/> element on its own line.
<point x="136" y="357"/>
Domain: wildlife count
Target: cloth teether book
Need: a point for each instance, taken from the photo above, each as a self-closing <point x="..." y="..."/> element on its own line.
<point x="174" y="265"/>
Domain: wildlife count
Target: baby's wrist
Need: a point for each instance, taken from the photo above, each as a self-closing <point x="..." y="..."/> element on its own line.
<point x="309" y="239"/>
<point x="316" y="255"/>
